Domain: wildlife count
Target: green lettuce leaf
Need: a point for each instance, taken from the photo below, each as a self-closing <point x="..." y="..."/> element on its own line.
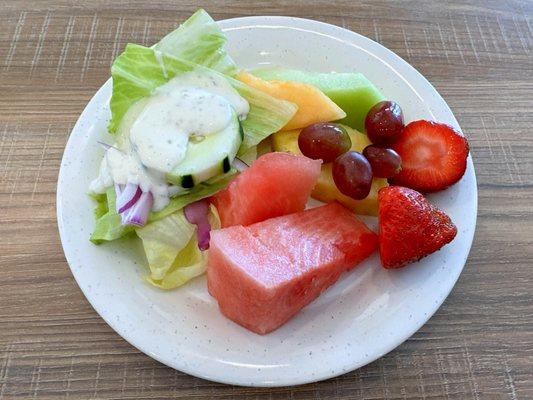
<point x="267" y="115"/>
<point x="108" y="223"/>
<point x="198" y="40"/>
<point x="139" y="70"/>
<point x="200" y="191"/>
<point x="101" y="204"/>
<point x="201" y="41"/>
<point x="171" y="248"/>
<point x="190" y="262"/>
<point x="249" y="156"/>
<point x="163" y="240"/>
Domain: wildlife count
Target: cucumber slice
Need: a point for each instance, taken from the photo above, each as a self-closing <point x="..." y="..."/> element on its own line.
<point x="210" y="157"/>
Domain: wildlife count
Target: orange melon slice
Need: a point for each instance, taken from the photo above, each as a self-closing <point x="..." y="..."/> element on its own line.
<point x="313" y="105"/>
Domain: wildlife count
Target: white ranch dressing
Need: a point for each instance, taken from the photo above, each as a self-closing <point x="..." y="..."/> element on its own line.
<point x="191" y="104"/>
<point x="122" y="166"/>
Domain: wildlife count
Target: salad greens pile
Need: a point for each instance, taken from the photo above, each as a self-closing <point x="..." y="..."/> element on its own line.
<point x="169" y="240"/>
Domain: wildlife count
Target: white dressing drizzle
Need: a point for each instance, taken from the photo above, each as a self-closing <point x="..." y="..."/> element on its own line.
<point x="194" y="104"/>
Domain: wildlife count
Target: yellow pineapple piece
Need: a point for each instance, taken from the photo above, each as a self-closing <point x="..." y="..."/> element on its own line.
<point x="325" y="189"/>
<point x="313" y="105"/>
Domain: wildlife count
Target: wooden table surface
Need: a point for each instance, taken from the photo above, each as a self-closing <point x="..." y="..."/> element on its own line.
<point x="54" y="55"/>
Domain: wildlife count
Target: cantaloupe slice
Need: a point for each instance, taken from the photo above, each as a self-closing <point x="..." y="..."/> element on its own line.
<point x="325" y="189"/>
<point x="350" y="91"/>
<point x="313" y="105"/>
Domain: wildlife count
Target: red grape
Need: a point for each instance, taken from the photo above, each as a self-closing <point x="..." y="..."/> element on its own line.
<point x="385" y="162"/>
<point x="324" y="141"/>
<point x="384" y="122"/>
<point x="352" y="174"/>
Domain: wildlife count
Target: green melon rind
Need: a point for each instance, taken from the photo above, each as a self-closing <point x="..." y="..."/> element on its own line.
<point x="352" y="92"/>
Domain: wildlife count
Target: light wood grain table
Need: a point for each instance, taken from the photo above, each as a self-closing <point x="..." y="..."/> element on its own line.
<point x="55" y="55"/>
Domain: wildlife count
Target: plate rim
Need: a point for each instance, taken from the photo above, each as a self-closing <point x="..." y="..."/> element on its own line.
<point x="283" y="22"/>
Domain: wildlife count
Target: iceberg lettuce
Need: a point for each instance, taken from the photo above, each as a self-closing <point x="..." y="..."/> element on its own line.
<point x="189" y="263"/>
<point x="139" y="70"/>
<point x="171" y="248"/>
<point x="201" y="41"/>
<point x="108" y="223"/>
<point x="163" y="240"/>
<point x="198" y="40"/>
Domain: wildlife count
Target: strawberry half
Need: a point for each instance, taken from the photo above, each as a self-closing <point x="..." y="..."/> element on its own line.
<point x="410" y="227"/>
<point x="433" y="156"/>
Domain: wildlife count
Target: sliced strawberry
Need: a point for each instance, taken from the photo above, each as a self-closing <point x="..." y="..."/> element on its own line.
<point x="433" y="156"/>
<point x="410" y="227"/>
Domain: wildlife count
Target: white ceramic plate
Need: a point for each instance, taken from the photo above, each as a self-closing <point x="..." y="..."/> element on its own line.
<point x="366" y="314"/>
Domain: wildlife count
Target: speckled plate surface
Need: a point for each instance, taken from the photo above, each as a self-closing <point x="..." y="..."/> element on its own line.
<point x="366" y="314"/>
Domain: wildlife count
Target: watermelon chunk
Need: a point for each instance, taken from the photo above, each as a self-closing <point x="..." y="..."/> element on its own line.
<point x="276" y="184"/>
<point x="352" y="92"/>
<point x="263" y="274"/>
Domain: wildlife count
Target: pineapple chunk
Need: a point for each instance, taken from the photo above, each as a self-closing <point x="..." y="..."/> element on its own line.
<point x="325" y="189"/>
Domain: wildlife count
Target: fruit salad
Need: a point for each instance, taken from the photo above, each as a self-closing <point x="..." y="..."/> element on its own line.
<point x="211" y="168"/>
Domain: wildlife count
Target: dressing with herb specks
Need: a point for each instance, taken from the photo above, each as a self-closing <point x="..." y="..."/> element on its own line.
<point x="190" y="106"/>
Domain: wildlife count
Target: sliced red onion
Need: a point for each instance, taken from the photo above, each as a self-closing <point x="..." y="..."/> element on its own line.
<point x="196" y="213"/>
<point x="118" y="190"/>
<point x="128" y="197"/>
<point x="240" y="165"/>
<point x="138" y="214"/>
